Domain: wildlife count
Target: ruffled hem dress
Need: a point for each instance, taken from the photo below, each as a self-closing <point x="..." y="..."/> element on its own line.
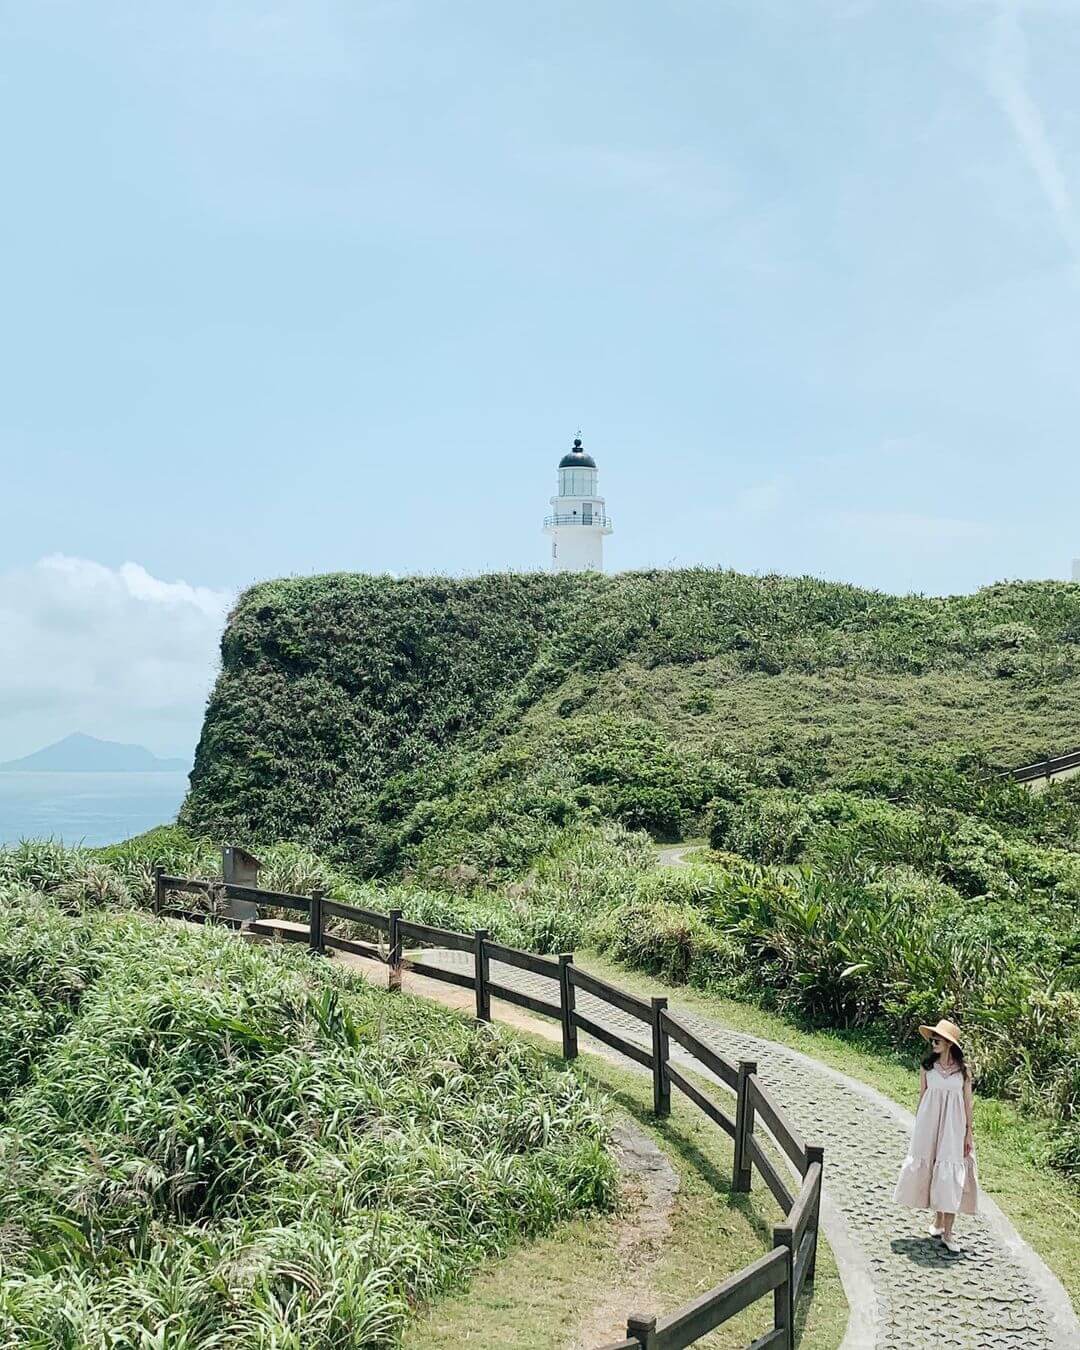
<point x="935" y="1174"/>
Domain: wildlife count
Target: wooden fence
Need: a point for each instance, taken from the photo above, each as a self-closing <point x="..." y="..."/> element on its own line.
<point x="784" y="1272"/>
<point x="1044" y="768"/>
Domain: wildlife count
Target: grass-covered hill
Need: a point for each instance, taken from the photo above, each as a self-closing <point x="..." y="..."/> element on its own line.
<point x="366" y="715"/>
<point x="495" y="752"/>
<point x="206" y="1144"/>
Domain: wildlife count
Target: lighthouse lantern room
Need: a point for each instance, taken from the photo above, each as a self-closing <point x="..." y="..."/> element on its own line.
<point x="578" y="521"/>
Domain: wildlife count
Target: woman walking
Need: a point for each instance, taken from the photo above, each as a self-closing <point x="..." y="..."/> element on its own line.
<point x="939" y="1170"/>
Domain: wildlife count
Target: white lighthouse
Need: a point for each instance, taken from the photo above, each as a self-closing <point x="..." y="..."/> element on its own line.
<point x="578" y="521"/>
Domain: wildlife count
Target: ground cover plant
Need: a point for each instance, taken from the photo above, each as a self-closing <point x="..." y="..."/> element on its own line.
<point x="206" y="1144"/>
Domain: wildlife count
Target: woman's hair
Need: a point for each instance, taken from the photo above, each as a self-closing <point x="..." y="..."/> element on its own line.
<point x="958" y="1055"/>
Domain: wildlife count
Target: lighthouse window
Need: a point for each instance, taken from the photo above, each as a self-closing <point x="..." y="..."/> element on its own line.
<point x="577" y="482"/>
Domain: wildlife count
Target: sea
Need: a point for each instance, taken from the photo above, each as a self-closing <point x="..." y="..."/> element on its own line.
<point x="86" y="808"/>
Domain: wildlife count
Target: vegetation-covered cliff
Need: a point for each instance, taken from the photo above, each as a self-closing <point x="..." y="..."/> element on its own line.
<point x="380" y="719"/>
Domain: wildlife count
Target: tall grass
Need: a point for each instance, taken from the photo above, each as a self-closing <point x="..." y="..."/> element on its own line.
<point x="204" y="1144"/>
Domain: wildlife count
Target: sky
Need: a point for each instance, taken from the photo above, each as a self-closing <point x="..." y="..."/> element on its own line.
<point x="320" y="285"/>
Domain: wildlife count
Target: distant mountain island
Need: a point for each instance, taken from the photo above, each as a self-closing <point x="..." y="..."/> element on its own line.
<point x="79" y="753"/>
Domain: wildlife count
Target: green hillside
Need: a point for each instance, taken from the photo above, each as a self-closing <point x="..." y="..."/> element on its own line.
<point x="331" y="686"/>
<point x="497" y="752"/>
<point x="345" y="703"/>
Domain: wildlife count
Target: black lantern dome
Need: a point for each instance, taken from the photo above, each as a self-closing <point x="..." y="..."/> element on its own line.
<point x="577" y="458"/>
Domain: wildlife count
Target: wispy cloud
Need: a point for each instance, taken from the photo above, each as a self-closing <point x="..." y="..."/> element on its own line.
<point x="1007" y="74"/>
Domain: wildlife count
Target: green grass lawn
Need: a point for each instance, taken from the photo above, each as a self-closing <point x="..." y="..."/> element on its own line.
<point x="1041" y="1202"/>
<point x="538" y="1297"/>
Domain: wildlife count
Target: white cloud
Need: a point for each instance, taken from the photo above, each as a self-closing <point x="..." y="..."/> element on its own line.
<point x="1007" y="74"/>
<point x="114" y="652"/>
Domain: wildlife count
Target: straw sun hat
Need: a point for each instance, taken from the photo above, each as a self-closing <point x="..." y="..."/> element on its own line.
<point x="948" y="1031"/>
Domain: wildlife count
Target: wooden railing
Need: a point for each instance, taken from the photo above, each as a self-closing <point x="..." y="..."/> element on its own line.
<point x="1044" y="768"/>
<point x="784" y="1271"/>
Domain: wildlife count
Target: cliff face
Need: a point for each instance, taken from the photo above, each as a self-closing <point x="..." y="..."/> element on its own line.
<point x="347" y="704"/>
<point x="331" y="686"/>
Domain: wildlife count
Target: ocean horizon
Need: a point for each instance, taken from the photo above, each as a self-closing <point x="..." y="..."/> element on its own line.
<point x="87" y="808"/>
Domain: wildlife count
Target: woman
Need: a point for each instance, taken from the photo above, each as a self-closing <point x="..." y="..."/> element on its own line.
<point x="939" y="1170"/>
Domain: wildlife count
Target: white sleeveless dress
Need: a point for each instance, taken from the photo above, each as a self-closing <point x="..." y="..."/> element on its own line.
<point x="935" y="1174"/>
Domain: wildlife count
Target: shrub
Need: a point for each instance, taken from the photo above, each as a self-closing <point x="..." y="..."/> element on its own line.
<point x="768" y="826"/>
<point x="97" y="886"/>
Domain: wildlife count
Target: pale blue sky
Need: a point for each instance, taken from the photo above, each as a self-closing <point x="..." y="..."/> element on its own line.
<point x="306" y="285"/>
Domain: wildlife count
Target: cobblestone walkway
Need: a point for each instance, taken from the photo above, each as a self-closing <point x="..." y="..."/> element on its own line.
<point x="997" y="1293"/>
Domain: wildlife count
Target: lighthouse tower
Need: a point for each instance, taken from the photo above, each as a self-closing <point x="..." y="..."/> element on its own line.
<point x="578" y="522"/>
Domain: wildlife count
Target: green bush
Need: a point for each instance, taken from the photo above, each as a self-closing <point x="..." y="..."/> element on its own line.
<point x="769" y="826"/>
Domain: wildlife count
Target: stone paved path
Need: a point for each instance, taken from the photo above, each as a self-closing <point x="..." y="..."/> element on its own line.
<point x="905" y="1290"/>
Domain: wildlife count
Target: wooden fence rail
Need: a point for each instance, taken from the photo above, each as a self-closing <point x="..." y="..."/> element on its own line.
<point x="1044" y="768"/>
<point x="784" y="1271"/>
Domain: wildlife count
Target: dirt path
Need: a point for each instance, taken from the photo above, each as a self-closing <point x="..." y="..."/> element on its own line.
<point x="651" y="1184"/>
<point x="674" y="855"/>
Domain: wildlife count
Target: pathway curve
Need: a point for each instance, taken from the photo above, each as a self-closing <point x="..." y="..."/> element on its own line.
<point x="674" y="855"/>
<point x="905" y="1291"/>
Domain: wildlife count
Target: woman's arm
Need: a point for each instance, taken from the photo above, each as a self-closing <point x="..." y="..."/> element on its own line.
<point x="922" y="1084"/>
<point x="969" y="1113"/>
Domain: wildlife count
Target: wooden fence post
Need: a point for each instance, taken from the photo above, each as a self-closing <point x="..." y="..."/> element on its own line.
<point x="661" y="1083"/>
<point x="566" y="1005"/>
<point x="643" y="1329"/>
<point x="783" y="1303"/>
<point x="742" y="1168"/>
<point x="394" y="956"/>
<point x="159" y="889"/>
<point x="815" y="1154"/>
<point x="315" y="942"/>
<point x="483" y="993"/>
